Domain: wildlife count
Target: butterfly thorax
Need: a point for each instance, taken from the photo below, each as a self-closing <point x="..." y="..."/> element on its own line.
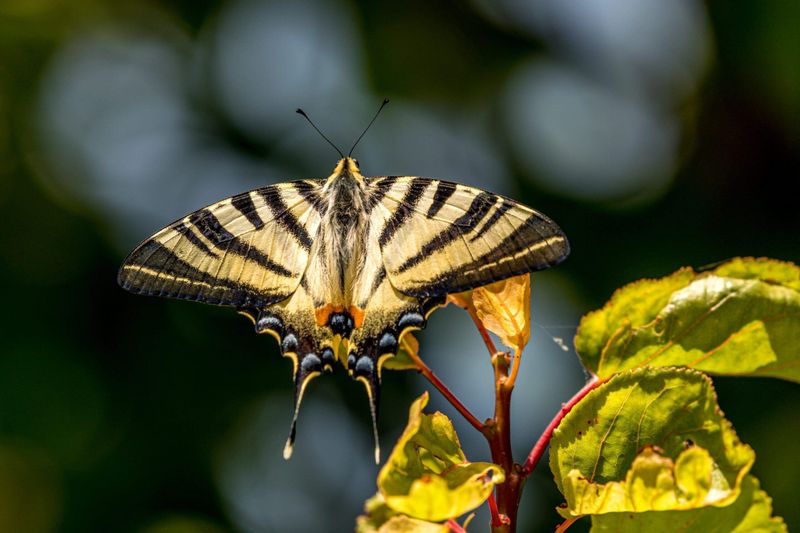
<point x="343" y="229"/>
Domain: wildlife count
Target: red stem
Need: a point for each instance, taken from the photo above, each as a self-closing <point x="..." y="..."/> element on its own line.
<point x="447" y="393"/>
<point x="455" y="527"/>
<point x="487" y="340"/>
<point x="544" y="440"/>
<point x="496" y="520"/>
<point x="563" y="526"/>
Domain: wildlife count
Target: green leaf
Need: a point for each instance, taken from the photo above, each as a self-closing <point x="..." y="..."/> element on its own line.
<point x="763" y="269"/>
<point x="599" y="453"/>
<point x="403" y="361"/>
<point x="405" y="524"/>
<point x="742" y="318"/>
<point x="751" y="512"/>
<point x="379" y="518"/>
<point x="376" y="513"/>
<point x="653" y="483"/>
<point x="427" y="475"/>
<point x="632" y="306"/>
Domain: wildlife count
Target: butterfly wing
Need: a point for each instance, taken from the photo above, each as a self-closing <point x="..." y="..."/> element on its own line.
<point x="250" y="250"/>
<point x="383" y="316"/>
<point x="426" y="239"/>
<point x="439" y="237"/>
<point x="309" y="344"/>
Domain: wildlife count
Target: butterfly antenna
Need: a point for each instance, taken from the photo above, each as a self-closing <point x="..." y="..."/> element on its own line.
<point x="303" y="113"/>
<point x="385" y="101"/>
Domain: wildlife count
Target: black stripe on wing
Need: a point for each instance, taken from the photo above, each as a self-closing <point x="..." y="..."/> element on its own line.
<point x="416" y="188"/>
<point x="444" y="190"/>
<point x="244" y="204"/>
<point x="211" y="228"/>
<point x="187" y="232"/>
<point x="309" y="190"/>
<point x="201" y="287"/>
<point x="283" y="216"/>
<point x="467" y="222"/>
<point x="378" y="189"/>
<point x="536" y="229"/>
<point x="505" y="205"/>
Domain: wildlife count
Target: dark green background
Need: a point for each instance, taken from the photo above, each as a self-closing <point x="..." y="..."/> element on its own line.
<point x="114" y="408"/>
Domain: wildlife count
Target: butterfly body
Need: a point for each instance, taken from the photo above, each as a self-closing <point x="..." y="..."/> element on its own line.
<point x="340" y="269"/>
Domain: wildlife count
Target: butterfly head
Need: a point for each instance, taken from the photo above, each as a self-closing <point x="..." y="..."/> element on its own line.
<point x="347" y="165"/>
<point x="347" y="170"/>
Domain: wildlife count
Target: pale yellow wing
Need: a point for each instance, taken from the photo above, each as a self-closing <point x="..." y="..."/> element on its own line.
<point x="382" y="316"/>
<point x="250" y="250"/>
<point x="427" y="238"/>
<point x="438" y="237"/>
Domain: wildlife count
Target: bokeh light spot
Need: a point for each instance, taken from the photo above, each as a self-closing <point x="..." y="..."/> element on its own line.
<point x="30" y="491"/>
<point x="323" y="486"/>
<point x="581" y="139"/>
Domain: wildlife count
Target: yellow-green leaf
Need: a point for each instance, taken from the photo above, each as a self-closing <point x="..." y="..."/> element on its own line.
<point x="595" y="451"/>
<point x="631" y="306"/>
<point x="504" y="308"/>
<point x="379" y="518"/>
<point x="751" y="512"/>
<point x="768" y="270"/>
<point x="406" y="524"/>
<point x="427" y="475"/>
<point x="740" y="319"/>
<point x="653" y="483"/>
<point x="403" y="361"/>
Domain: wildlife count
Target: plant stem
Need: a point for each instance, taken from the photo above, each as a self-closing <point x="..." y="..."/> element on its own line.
<point x="487" y="340"/>
<point x="497" y="433"/>
<point x="496" y="520"/>
<point x="544" y="440"/>
<point x="455" y="527"/>
<point x="504" y="504"/>
<point x="447" y="393"/>
<point x="499" y="436"/>
<point x="509" y="384"/>
<point x="563" y="526"/>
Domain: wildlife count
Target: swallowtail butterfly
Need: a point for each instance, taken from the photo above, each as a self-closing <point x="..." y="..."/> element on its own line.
<point x="339" y="269"/>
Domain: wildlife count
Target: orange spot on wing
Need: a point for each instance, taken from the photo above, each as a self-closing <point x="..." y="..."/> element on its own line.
<point x="358" y="315"/>
<point x="321" y="314"/>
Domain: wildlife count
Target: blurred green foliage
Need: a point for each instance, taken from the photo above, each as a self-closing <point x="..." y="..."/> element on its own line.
<point x="113" y="408"/>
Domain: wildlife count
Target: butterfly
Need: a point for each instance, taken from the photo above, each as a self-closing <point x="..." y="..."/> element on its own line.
<point x="339" y="269"/>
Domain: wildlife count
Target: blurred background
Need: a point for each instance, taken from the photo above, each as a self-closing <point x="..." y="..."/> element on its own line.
<point x="658" y="134"/>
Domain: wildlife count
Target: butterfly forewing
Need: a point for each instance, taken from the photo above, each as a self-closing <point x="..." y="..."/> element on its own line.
<point x="441" y="237"/>
<point x="249" y="250"/>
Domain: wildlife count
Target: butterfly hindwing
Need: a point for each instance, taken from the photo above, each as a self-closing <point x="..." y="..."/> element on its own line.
<point x="386" y="314"/>
<point x="248" y="250"/>
<point x="440" y="237"/>
<point x="309" y="344"/>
